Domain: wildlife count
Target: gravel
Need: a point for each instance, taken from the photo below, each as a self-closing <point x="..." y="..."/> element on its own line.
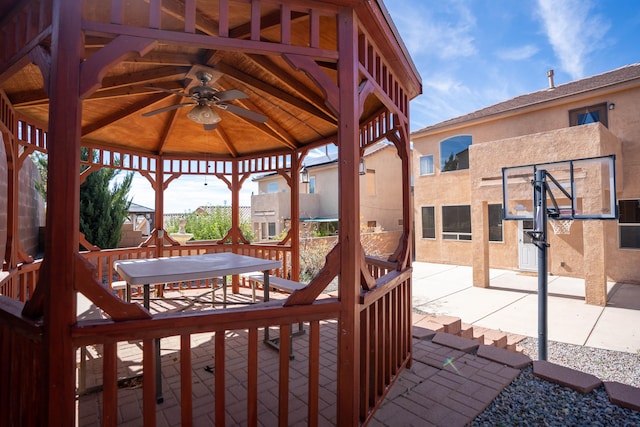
<point x="607" y="365"/>
<point x="531" y="401"/>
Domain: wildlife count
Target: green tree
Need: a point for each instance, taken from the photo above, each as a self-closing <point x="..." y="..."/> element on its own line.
<point x="103" y="210"/>
<point x="210" y="225"/>
<point x="103" y="206"/>
<point x="40" y="160"/>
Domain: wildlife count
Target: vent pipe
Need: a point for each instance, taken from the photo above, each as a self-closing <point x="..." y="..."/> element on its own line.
<point x="550" y="75"/>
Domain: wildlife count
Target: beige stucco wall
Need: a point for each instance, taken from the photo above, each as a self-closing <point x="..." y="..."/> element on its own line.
<point x="383" y="205"/>
<point x="533" y="135"/>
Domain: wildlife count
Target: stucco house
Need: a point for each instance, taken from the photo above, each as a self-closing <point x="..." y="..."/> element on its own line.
<point x="380" y="200"/>
<point x="457" y="167"/>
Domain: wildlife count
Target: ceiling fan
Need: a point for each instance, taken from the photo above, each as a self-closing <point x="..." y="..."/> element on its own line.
<point x="204" y="98"/>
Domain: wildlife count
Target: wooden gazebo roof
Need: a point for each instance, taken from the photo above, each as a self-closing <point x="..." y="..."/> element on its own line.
<point x="281" y="85"/>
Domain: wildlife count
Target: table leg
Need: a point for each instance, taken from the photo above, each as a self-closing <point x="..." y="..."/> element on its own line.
<point x="147" y="299"/>
<point x="265" y="285"/>
<point x="147" y="304"/>
<point x="224" y="291"/>
<point x="159" y="397"/>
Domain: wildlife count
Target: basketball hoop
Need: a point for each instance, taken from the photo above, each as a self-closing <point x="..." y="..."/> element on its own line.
<point x="561" y="226"/>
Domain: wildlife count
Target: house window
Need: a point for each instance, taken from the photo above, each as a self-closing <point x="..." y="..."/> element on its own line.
<point x="456" y="222"/>
<point x="272" y="229"/>
<point x="629" y="223"/>
<point x="591" y="114"/>
<point x="426" y="165"/>
<point x="495" y="223"/>
<point x="312" y="185"/>
<point x="454" y="153"/>
<point x="428" y="222"/>
<point x="272" y="187"/>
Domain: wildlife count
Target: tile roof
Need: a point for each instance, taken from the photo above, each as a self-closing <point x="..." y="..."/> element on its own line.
<point x="609" y="78"/>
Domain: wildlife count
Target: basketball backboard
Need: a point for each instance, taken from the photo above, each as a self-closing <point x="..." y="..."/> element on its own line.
<point x="577" y="189"/>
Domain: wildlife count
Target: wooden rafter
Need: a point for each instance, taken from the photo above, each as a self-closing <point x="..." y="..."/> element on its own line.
<point x="288" y="80"/>
<point x="274" y="91"/>
<point x="121" y="114"/>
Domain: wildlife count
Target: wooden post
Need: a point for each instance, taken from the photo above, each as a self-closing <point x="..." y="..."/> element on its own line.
<point x="159" y="189"/>
<point x="63" y="195"/>
<point x="11" y="251"/>
<point x="295" y="217"/>
<point x="349" y="212"/>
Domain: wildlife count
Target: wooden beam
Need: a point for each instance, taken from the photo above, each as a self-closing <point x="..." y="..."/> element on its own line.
<point x="61" y="241"/>
<point x="349" y="213"/>
<point x="170" y="124"/>
<point x="315" y="102"/>
<point x="270" y="89"/>
<point x="204" y="41"/>
<point x="226" y="141"/>
<point x="313" y="70"/>
<point x="87" y="283"/>
<point x="97" y="65"/>
<point x="121" y="114"/>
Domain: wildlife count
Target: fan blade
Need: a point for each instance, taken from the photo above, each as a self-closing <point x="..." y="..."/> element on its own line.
<point x="228" y="95"/>
<point x="170" y="91"/>
<point x="169" y="108"/>
<point x="243" y="112"/>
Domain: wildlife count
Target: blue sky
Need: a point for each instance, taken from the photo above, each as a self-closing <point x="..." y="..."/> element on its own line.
<point x="472" y="54"/>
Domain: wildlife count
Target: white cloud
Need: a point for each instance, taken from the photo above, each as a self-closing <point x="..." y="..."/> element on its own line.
<point x="447" y="36"/>
<point x="517" y="53"/>
<point x="572" y="32"/>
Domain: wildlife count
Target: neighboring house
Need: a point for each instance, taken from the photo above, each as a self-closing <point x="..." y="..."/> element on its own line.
<point x="142" y="218"/>
<point x="380" y="195"/>
<point x="458" y="193"/>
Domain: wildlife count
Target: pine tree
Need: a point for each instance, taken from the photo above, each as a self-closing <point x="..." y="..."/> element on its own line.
<point x="103" y="210"/>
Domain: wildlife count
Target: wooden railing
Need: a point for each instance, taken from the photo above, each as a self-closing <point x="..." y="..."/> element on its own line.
<point x="219" y="322"/>
<point x="19" y="283"/>
<point x="21" y="367"/>
<point x="385" y="314"/>
<point x="385" y="333"/>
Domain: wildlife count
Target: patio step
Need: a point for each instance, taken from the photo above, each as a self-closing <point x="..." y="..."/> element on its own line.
<point x="472" y="332"/>
<point x="454" y="326"/>
<point x="450" y="325"/>
<point x="492" y="337"/>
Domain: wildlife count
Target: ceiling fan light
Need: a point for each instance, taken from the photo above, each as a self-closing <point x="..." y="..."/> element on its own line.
<point x="204" y="114"/>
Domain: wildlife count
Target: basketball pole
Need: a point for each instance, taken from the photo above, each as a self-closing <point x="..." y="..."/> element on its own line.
<point x="540" y="203"/>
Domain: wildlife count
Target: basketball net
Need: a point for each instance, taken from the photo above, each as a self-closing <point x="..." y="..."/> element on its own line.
<point x="561" y="226"/>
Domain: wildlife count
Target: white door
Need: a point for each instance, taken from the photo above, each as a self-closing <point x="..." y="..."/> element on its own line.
<point x="527" y="251"/>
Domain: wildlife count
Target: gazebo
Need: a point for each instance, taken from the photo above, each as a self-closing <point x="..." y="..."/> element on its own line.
<point x="227" y="88"/>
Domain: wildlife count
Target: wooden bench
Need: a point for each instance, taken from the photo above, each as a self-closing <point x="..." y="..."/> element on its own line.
<point x="122" y="285"/>
<point x="282" y="285"/>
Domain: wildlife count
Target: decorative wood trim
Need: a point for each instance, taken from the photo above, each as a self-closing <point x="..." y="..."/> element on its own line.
<point x="97" y="65"/>
<point x="310" y="293"/>
<point x="86" y="282"/>
<point x="313" y="70"/>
